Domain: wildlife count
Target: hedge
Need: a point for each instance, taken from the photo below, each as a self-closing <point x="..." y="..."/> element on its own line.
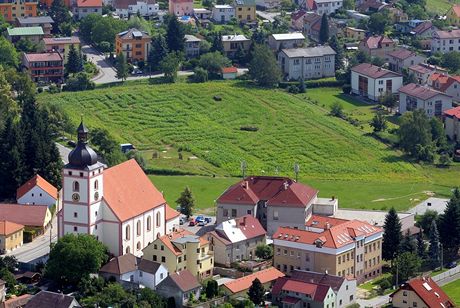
<point x="319" y="83"/>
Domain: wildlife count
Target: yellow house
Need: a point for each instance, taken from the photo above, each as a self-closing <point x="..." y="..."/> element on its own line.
<point x="453" y="15"/>
<point x="62" y="45"/>
<point x="10" y="236"/>
<point x="245" y="10"/>
<point x="182" y="250"/>
<point x="355" y="33"/>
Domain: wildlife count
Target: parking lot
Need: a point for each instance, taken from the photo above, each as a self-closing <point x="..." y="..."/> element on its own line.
<point x="199" y="230"/>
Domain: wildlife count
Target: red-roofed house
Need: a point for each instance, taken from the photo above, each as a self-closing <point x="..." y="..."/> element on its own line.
<point x="378" y="46"/>
<point x="421" y="292"/>
<point x="120" y="206"/>
<point x="297" y="19"/>
<point x="240" y="286"/>
<point x="274" y="201"/>
<point x="404" y="58"/>
<point x="236" y="239"/>
<point x="86" y="7"/>
<point x="449" y="85"/>
<point x="11" y="236"/>
<point x="44" y="67"/>
<point x="373" y="81"/>
<point x="37" y="191"/>
<point x="413" y="96"/>
<point x="180" y="286"/>
<point x="346" y="248"/>
<point x="229" y="72"/>
<point x="452" y="123"/>
<point x="423" y="72"/>
<point x="453" y="15"/>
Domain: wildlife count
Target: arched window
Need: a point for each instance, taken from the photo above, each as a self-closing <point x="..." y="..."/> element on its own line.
<point x="138" y="246"/>
<point x="138" y="227"/>
<point x="158" y="219"/>
<point x="76" y="186"/>
<point x="149" y="223"/>
<point x="158" y="235"/>
<point x="96" y="184"/>
<point x="127" y="250"/>
<point x="128" y="232"/>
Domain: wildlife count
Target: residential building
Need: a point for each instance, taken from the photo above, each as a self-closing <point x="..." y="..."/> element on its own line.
<point x="11" y="236"/>
<point x="62" y="45"/>
<point x="413" y="96"/>
<point x="424" y="32"/>
<point x="192" y="46"/>
<point x="232" y="43"/>
<point x="134" y="44"/>
<point x="445" y="41"/>
<point x="16" y="302"/>
<point x="131" y="270"/>
<point x="307" y="63"/>
<point x="33" y="34"/>
<point x="235" y="240"/>
<point x="37" y="190"/>
<point x="239" y="287"/>
<point x="181" y="7"/>
<point x="336" y="246"/>
<point x="181" y="250"/>
<point x="289" y="292"/>
<point x="312" y="26"/>
<point x="86" y="7"/>
<point x="44" y="67"/>
<point x="404" y="58"/>
<point x="229" y="72"/>
<point x="37" y="217"/>
<point x="452" y="123"/>
<point x="327" y="6"/>
<point x="145" y="8"/>
<point x="274" y="201"/>
<point x="397" y="15"/>
<point x="245" y="10"/>
<point x="355" y="33"/>
<point x="180" y="285"/>
<point x="223" y="13"/>
<point x="46" y="299"/>
<point x="45" y="22"/>
<point x="297" y="20"/>
<point x="268" y="4"/>
<point x="118" y="205"/>
<point x="423" y="71"/>
<point x="371" y="6"/>
<point x="11" y="9"/>
<point x="202" y="14"/>
<point x="373" y="81"/>
<point x="421" y="292"/>
<point x="377" y="46"/>
<point x="453" y="15"/>
<point x="286" y="40"/>
<point x="172" y="220"/>
<point x="449" y="85"/>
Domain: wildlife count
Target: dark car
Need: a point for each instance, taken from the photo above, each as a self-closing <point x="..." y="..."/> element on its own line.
<point x="452" y="264"/>
<point x="207" y="219"/>
<point x="71" y="143"/>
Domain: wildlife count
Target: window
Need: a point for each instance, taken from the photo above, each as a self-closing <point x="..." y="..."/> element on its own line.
<point x="163" y="259"/>
<point x="127" y="231"/>
<point x="154" y="257"/>
<point x="75" y="229"/>
<point x="149" y="224"/>
<point x="162" y="247"/>
<point x="76" y="186"/>
<point x="179" y="260"/>
<point x="404" y="293"/>
<point x="140" y="274"/>
<point x="75" y="214"/>
<point x="414" y="304"/>
<point x="275" y="215"/>
<point x="225" y="213"/>
<point x="96" y="184"/>
<point x="249" y="212"/>
<point x="161" y="276"/>
<point x="158" y="219"/>
<point x="138" y="228"/>
<point x="233" y="212"/>
<point x="127" y="249"/>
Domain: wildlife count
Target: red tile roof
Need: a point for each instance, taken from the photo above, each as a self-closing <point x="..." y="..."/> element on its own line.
<point x="454" y="112"/>
<point x="422" y="92"/>
<point x="8" y="227"/>
<point x="244" y="283"/>
<point x="297" y="15"/>
<point x="124" y="4"/>
<point x="456" y="9"/>
<point x="402" y="54"/>
<point x="250" y="226"/>
<point x="442" y="82"/>
<point x="89" y="3"/>
<point x="167" y="240"/>
<point x="324" y="221"/>
<point x="376" y="41"/>
<point x="37" y="180"/>
<point x="185" y="280"/>
<point x="171" y="213"/>
<point x="277" y="191"/>
<point x="335" y="282"/>
<point x="129" y="192"/>
<point x="27" y="215"/>
<point x="311" y="5"/>
<point x="19" y="301"/>
<point x="315" y="291"/>
<point x="231" y="69"/>
<point x="44" y="56"/>
<point x="428" y="291"/>
<point x="448" y="34"/>
<point x="373" y="71"/>
<point x="424" y="26"/>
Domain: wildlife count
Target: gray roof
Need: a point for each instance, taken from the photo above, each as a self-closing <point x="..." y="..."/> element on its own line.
<point x="191" y="38"/>
<point x="234" y="38"/>
<point x="46" y="299"/>
<point x="187" y="239"/>
<point x="309" y="52"/>
<point x="35" y="20"/>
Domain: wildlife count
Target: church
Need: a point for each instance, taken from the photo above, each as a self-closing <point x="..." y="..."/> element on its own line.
<point x="119" y="205"/>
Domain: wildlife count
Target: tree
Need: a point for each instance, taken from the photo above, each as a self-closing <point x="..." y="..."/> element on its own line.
<point x="339" y="52"/>
<point x="9" y="262"/>
<point x="256" y="292"/>
<point x="212" y="289"/>
<point x="421" y="247"/>
<point x="336" y="109"/>
<point x="449" y="225"/>
<point x="414" y="131"/>
<point x="200" y="74"/>
<point x="121" y="67"/>
<point x="425" y="221"/>
<point x="74" y="61"/>
<point x="391" y="235"/>
<point x="25" y="45"/>
<point x="434" y="251"/>
<point x="157" y="53"/>
<point x="378" y="23"/>
<point x="8" y="54"/>
<point x="438" y="134"/>
<point x="451" y="60"/>
<point x="445" y="160"/>
<point x="74" y="257"/>
<point x="408" y="244"/>
<point x="79" y="82"/>
<point x="107" y="147"/>
<point x="170" y="65"/>
<point x="388" y="100"/>
<point x="408" y="76"/>
<point x="379" y="122"/>
<point x="152" y="298"/>
<point x="175" y="35"/>
<point x="213" y="62"/>
<point x="186" y="202"/>
<point x="8" y="277"/>
<point x="217" y="44"/>
<point x="349" y="4"/>
<point x="264" y="252"/>
<point x="60" y="14"/>
<point x="263" y="67"/>
<point x="406" y="265"/>
<point x="138" y="158"/>
<point x="324" y="30"/>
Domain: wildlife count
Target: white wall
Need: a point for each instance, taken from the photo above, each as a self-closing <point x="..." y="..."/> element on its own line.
<point x="37" y="196"/>
<point x="171" y="224"/>
<point x="228" y="14"/>
<point x="427" y="105"/>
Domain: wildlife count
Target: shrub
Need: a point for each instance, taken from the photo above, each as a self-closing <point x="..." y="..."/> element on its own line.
<point x="54" y="89"/>
<point x="293" y="89"/>
<point x="200" y="75"/>
<point x="79" y="82"/>
<point x="337" y="110"/>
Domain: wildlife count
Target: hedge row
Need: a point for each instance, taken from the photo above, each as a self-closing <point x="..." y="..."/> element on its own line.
<point x="320" y="83"/>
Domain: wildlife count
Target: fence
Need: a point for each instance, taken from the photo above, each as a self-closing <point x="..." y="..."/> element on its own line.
<point x="446" y="274"/>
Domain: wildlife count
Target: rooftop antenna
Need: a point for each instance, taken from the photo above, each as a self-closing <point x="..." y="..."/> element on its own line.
<point x="243" y="168"/>
<point x="296" y="171"/>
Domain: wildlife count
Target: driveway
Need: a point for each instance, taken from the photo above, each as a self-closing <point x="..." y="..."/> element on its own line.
<point x="63" y="152"/>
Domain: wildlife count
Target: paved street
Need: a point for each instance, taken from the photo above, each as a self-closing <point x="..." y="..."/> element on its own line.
<point x="64" y="152"/>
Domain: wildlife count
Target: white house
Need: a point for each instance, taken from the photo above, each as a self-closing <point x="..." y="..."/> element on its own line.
<point x="201" y="13"/>
<point x="37" y="191"/>
<point x="223" y="13"/>
<point x="373" y="82"/>
<point x="445" y="41"/>
<point x="192" y="46"/>
<point x="404" y="58"/>
<point x="134" y="270"/>
<point x="327" y="6"/>
<point x="286" y="40"/>
<point x="414" y="96"/>
<point x="452" y="123"/>
<point x="126" y="8"/>
<point x="85" y="7"/>
<point x="119" y="205"/>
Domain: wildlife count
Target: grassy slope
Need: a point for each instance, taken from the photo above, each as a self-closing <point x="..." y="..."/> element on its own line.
<point x="335" y="157"/>
<point x="453" y="291"/>
<point x="439" y="6"/>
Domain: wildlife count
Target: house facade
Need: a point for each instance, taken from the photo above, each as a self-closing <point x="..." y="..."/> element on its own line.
<point x="192" y="46"/>
<point x="62" y="45"/>
<point x="445" y="41"/>
<point x="377" y="46"/>
<point x="37" y="191"/>
<point x="33" y="34"/>
<point x="449" y="85"/>
<point x="327" y="6"/>
<point x="307" y="63"/>
<point x="404" y="58"/>
<point x="180" y="286"/>
<point x="355" y="33"/>
<point x="119" y="205"/>
<point x="286" y="40"/>
<point x="373" y="82"/>
<point x="44" y="67"/>
<point x="424" y="32"/>
<point x="86" y="7"/>
<point x="11" y="236"/>
<point x="36" y="217"/>
<point x="340" y="247"/>
<point x="452" y="123"/>
<point x="45" y="22"/>
<point x="44" y="298"/>
<point x="423" y="72"/>
<point x="10" y="10"/>
<point x="181" y="7"/>
<point x="223" y="13"/>
<point x="145" y="8"/>
<point x="134" y="44"/>
<point x="413" y="97"/>
<point x="172" y="220"/>
<point x="245" y="10"/>
<point x="232" y="43"/>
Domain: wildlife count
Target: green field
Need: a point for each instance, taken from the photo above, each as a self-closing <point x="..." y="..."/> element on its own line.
<point x="439" y="6"/>
<point x="334" y="156"/>
<point x="453" y="291"/>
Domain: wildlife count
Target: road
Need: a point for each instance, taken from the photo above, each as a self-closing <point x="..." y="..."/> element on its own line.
<point x="64" y="152"/>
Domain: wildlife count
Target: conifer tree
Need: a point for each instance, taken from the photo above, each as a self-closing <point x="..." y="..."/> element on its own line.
<point x="186" y="202"/>
<point x="256" y="292"/>
<point x="121" y="67"/>
<point x="60" y="14"/>
<point x="391" y="235"/>
<point x="339" y="52"/>
<point x="449" y="225"/>
<point x="324" y="31"/>
<point x="73" y="61"/>
<point x="408" y="244"/>
<point x="157" y="53"/>
<point x="435" y="253"/>
<point x="175" y="35"/>
<point x="421" y="247"/>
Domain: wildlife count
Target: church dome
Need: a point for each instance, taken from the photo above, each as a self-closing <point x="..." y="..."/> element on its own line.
<point x="82" y="156"/>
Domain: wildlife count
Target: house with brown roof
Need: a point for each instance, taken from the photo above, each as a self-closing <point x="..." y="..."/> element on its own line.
<point x="274" y="201"/>
<point x="452" y="123"/>
<point x="355" y="33"/>
<point x="85" y="7"/>
<point x="413" y="96"/>
<point x="404" y="58"/>
<point x="371" y="6"/>
<point x="47" y="299"/>
<point x="423" y="71"/>
<point x="397" y="15"/>
<point x="145" y="8"/>
<point x="236" y="239"/>
<point x="377" y="46"/>
<point x="11" y="236"/>
<point x="449" y="85"/>
<point x="445" y="41"/>
<point x="239" y="287"/>
<point x="453" y="15"/>
<point x="421" y="292"/>
<point x="134" y="44"/>
<point x="373" y="82"/>
<point x="180" y="286"/>
<point x="119" y="205"/>
<point x="44" y="67"/>
<point x="312" y="26"/>
<point x="45" y="22"/>
<point x="131" y="270"/>
<point x="37" y="217"/>
<point x="180" y="250"/>
<point x="37" y="190"/>
<point x="424" y="32"/>
<point x="346" y="248"/>
<point x="62" y="45"/>
<point x="297" y="19"/>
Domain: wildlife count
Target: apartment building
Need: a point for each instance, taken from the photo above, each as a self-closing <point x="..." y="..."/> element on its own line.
<point x="340" y="247"/>
<point x="192" y="46"/>
<point x="62" y="45"/>
<point x="181" y="7"/>
<point x="33" y="34"/>
<point x="445" y="41"/>
<point x="145" y="8"/>
<point x="134" y="44"/>
<point x="452" y="123"/>
<point x="223" y="13"/>
<point x="232" y="43"/>
<point x="327" y="6"/>
<point x="181" y="250"/>
<point x="44" y="67"/>
<point x="413" y="96"/>
<point x="11" y="9"/>
<point x="286" y="40"/>
<point x="85" y="7"/>
<point x="45" y="22"/>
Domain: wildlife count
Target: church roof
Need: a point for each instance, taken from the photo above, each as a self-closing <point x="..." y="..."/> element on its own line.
<point x="129" y="192"/>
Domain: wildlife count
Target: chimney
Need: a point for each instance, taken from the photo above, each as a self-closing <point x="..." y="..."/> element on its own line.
<point x="333" y="198"/>
<point x="244" y="220"/>
<point x="327" y="225"/>
<point x="245" y="184"/>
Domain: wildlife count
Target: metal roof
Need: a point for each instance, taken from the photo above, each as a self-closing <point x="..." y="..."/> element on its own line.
<point x="20" y="31"/>
<point x="35" y="20"/>
<point x="317" y="51"/>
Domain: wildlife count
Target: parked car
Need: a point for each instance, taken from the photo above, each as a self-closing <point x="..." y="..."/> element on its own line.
<point x="182" y="220"/>
<point x="199" y="218"/>
<point x="208" y="220"/>
<point x="452" y="264"/>
<point x="192" y="223"/>
<point x="202" y="223"/>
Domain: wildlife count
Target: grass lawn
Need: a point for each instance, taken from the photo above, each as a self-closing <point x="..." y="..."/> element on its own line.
<point x="439" y="6"/>
<point x="335" y="157"/>
<point x="453" y="291"/>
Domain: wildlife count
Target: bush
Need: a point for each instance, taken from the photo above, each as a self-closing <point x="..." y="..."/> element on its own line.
<point x="337" y="109"/>
<point x="200" y="75"/>
<point x="79" y="82"/>
<point x="39" y="89"/>
<point x="54" y="89"/>
<point x="293" y="89"/>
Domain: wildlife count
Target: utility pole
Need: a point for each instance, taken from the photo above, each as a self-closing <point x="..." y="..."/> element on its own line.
<point x="243" y="168"/>
<point x="442" y="255"/>
<point x="296" y="171"/>
<point x="397" y="273"/>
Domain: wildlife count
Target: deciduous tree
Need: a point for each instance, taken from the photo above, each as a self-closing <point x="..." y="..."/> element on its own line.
<point x="121" y="67"/>
<point x="170" y="65"/>
<point x="186" y="202"/>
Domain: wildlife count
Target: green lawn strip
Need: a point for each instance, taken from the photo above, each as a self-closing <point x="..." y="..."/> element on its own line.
<point x="439" y="6"/>
<point x="439" y="271"/>
<point x="453" y="291"/>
